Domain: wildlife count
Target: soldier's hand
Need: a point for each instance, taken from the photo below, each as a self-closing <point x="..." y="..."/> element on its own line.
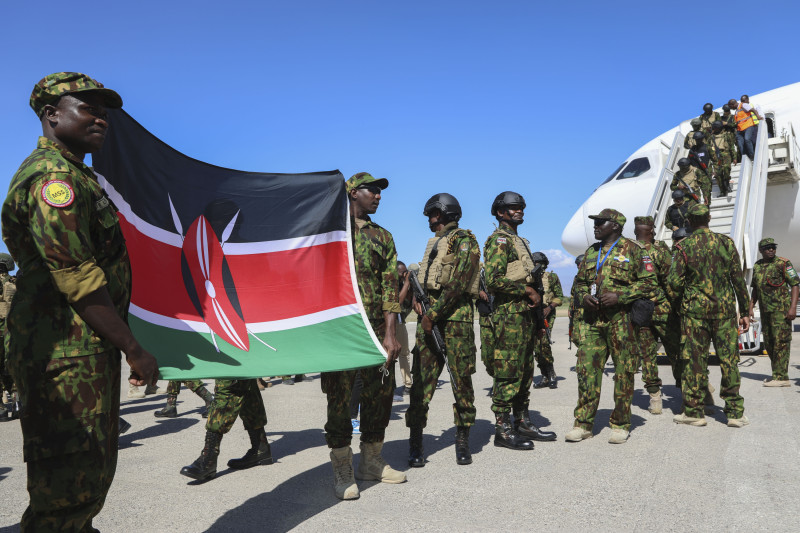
<point x="590" y="302"/>
<point x="744" y="324"/>
<point x="417" y="306"/>
<point x="427" y="324"/>
<point x="392" y="348"/>
<point x="609" y="298"/>
<point x="144" y="367"/>
<point x="791" y="314"/>
<point x="533" y="296"/>
<point x="546" y="311"/>
<point x="483" y="296"/>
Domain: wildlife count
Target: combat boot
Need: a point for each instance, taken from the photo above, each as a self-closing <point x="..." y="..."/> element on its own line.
<point x="372" y="467"/>
<point x="134" y="392"/>
<point x="553" y="378"/>
<point x="708" y="400"/>
<point x="655" y="403"/>
<point x="416" y="453"/>
<point x="206" y="397"/>
<point x="463" y="455"/>
<point x="506" y="437"/>
<point x="258" y="454"/>
<point x="170" y="410"/>
<point x="525" y="427"/>
<point x="344" y="485"/>
<point x="153" y="389"/>
<point x="544" y="381"/>
<point x="205" y="467"/>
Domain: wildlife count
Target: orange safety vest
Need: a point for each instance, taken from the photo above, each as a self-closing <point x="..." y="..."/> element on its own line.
<point x="744" y="119"/>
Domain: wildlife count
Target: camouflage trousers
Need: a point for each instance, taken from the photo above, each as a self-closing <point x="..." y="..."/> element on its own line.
<point x="698" y="333"/>
<point x="174" y="387"/>
<point x="487" y="347"/>
<point x="724" y="171"/>
<point x="615" y="338"/>
<point x="70" y="431"/>
<point x="577" y="327"/>
<point x="236" y="398"/>
<point x="663" y="328"/>
<point x="459" y="338"/>
<point x="777" y="338"/>
<point x="512" y="362"/>
<point x="376" y="401"/>
<point x="543" y="350"/>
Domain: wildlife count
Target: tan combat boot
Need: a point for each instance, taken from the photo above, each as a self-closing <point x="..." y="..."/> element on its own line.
<point x="618" y="436"/>
<point x="655" y="403"/>
<point x="777" y="383"/>
<point x="344" y="485"/>
<point x="134" y="392"/>
<point x="372" y="467"/>
<point x="577" y="434"/>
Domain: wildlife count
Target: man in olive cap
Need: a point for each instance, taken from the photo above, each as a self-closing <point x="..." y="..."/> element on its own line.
<point x="706" y="281"/>
<point x="775" y="288"/>
<point x="68" y="322"/>
<point x="615" y="272"/>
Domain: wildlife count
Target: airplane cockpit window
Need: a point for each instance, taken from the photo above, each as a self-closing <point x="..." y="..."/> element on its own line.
<point x="611" y="177"/>
<point x="635" y="168"/>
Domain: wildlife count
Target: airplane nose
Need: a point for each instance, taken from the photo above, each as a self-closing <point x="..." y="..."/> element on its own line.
<point x="574" y="239"/>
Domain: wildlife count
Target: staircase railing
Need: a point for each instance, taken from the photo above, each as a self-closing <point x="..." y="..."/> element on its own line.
<point x="662" y="196"/>
<point x="748" y="214"/>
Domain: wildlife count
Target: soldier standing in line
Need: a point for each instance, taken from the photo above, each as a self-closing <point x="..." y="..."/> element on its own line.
<point x="678" y="212"/>
<point x="688" y="141"/>
<point x="375" y="260"/>
<point x="553" y="297"/>
<point x="722" y="153"/>
<point x="508" y="264"/>
<point x="708" y="118"/>
<point x="7" y="290"/>
<point x="485" y="306"/>
<point x="691" y="180"/>
<point x="729" y="126"/>
<point x="67" y="322"/>
<point x="575" y="309"/>
<point x="662" y="326"/>
<point x="233" y="398"/>
<point x="448" y="273"/>
<point x="174" y="388"/>
<point x="700" y="158"/>
<point x="706" y="280"/>
<point x="614" y="274"/>
<point x="775" y="288"/>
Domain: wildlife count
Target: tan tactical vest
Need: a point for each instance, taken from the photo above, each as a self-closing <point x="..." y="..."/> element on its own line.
<point x="440" y="271"/>
<point x="519" y="270"/>
<point x="9" y="289"/>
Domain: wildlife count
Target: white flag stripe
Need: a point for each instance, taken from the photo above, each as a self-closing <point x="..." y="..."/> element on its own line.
<point x="231" y="248"/>
<point x="255" y="327"/>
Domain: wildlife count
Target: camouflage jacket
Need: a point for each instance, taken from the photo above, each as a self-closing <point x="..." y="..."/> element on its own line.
<point x="720" y="148"/>
<point x="772" y="283"/>
<point x="688" y="141"/>
<point x="453" y="302"/>
<point x="707" y="120"/>
<point x="627" y="270"/>
<point x="498" y="252"/>
<point x="694" y="178"/>
<point x="701" y="156"/>
<point x="705" y="279"/>
<point x="553" y="294"/>
<point x="65" y="236"/>
<point x="662" y="258"/>
<point x="376" y="268"/>
<point x="677" y="215"/>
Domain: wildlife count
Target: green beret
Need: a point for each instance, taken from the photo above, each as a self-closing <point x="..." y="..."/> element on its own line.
<point x="610" y="214"/>
<point x="52" y="87"/>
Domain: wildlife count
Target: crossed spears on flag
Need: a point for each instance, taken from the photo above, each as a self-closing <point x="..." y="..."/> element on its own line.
<point x="205" y="263"/>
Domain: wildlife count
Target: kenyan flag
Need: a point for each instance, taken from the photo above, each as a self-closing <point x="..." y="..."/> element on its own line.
<point x="235" y="274"/>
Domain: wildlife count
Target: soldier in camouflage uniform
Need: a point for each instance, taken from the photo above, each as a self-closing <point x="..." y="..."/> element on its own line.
<point x="775" y="288"/>
<point x="722" y="153"/>
<point x="706" y="280"/>
<point x="729" y="126"/>
<point x="663" y="324"/>
<point x="708" y="118"/>
<point x="375" y="259"/>
<point x="552" y="298"/>
<point x="688" y="141"/>
<point x="700" y="158"/>
<point x="575" y="309"/>
<point x="692" y="178"/>
<point x="67" y="323"/>
<point x="174" y="388"/>
<point x="450" y="293"/>
<point x="614" y="274"/>
<point x="508" y="262"/>
<point x="7" y="290"/>
<point x="485" y="310"/>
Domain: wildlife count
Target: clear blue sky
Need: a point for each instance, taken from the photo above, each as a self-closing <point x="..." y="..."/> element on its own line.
<point x="466" y="97"/>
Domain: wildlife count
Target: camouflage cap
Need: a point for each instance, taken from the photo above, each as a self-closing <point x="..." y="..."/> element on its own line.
<point x="698" y="210"/>
<point x="610" y="214"/>
<point x="769" y="241"/>
<point x="363" y="178"/>
<point x="644" y="221"/>
<point x="52" y="87"/>
<point x="695" y="122"/>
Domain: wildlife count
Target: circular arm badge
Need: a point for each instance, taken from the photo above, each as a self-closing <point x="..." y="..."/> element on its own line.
<point x="58" y="193"/>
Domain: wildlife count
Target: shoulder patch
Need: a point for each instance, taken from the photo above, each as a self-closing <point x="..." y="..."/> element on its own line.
<point x="502" y="240"/>
<point x="57" y="193"/>
<point x="464" y="246"/>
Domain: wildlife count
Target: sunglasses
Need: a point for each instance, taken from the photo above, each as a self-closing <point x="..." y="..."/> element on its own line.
<point x="600" y="221"/>
<point x="770" y="247"/>
<point x="374" y="189"/>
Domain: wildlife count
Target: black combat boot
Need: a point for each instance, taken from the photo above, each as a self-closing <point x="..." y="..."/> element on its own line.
<point x="258" y="454"/>
<point x="207" y="397"/>
<point x="545" y="380"/>
<point x="416" y="454"/>
<point x="463" y="455"/>
<point x="205" y="467"/>
<point x="526" y="428"/>
<point x="551" y="372"/>
<point x="505" y="436"/>
<point x="170" y="410"/>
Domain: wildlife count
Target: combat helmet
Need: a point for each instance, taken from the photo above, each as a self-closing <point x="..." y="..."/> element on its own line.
<point x="684" y="162"/>
<point x="446" y="203"/>
<point x="7" y="262"/>
<point x="505" y="199"/>
<point x="539" y="257"/>
<point x="708" y="108"/>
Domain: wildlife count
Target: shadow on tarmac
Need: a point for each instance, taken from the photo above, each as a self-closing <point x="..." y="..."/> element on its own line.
<point x="159" y="428"/>
<point x="3" y="471"/>
<point x="755" y="377"/>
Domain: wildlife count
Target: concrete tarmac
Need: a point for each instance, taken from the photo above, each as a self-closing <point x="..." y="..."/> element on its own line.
<point x="667" y="477"/>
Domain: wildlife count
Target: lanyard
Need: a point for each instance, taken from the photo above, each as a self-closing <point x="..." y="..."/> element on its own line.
<point x="600" y="263"/>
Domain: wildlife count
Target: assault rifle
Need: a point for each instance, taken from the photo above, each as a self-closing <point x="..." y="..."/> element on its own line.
<point x="691" y="191"/>
<point x="485" y="307"/>
<point x="438" y="340"/>
<point x="571" y="323"/>
<point x="538" y="285"/>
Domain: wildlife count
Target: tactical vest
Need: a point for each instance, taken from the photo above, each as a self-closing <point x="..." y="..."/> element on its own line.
<point x="9" y="289"/>
<point x="519" y="270"/>
<point x="744" y="119"/>
<point x="548" y="295"/>
<point x="436" y="271"/>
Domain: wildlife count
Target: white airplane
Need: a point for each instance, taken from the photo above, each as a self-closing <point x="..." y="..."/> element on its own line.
<point x="765" y="207"/>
